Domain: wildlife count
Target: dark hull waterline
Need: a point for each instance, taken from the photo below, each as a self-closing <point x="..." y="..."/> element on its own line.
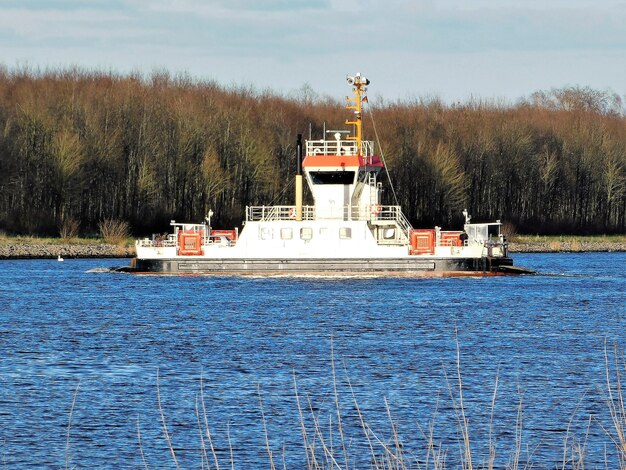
<point x="399" y="266"/>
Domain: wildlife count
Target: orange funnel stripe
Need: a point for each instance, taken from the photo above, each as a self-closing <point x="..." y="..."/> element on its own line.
<point x="341" y="160"/>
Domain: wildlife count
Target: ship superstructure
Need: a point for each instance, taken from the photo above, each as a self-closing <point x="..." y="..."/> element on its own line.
<point x="346" y="230"/>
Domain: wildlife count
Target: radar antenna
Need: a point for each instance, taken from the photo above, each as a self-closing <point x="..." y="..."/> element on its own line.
<point x="355" y="103"/>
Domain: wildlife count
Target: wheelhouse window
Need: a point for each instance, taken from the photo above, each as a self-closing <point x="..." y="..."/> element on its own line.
<point x="332" y="177"/>
<point x="345" y="233"/>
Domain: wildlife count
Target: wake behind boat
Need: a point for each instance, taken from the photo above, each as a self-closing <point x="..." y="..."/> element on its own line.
<point x="346" y="231"/>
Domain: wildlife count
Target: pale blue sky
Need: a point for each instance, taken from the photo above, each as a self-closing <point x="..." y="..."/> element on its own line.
<point x="409" y="48"/>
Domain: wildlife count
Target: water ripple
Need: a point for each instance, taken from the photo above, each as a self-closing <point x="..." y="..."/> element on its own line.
<point x="68" y="325"/>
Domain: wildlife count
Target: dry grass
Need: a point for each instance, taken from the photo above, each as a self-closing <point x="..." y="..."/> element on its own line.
<point x="575" y="245"/>
<point x="69" y="228"/>
<point x="517" y="238"/>
<point x="508" y="230"/>
<point x="568" y="243"/>
<point x="28" y="240"/>
<point x="82" y="241"/>
<point x="114" y="231"/>
<point x="556" y="245"/>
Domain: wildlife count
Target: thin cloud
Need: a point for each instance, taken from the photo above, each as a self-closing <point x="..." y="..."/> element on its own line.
<point x="423" y="39"/>
<point x="218" y="7"/>
<point x="50" y="23"/>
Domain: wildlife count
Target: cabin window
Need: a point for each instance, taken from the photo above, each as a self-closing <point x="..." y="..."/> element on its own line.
<point x="345" y="233"/>
<point x="494" y="230"/>
<point x="267" y="233"/>
<point x="332" y="177"/>
<point x="306" y="233"/>
<point x="389" y="233"/>
<point x="478" y="232"/>
<point x="286" y="234"/>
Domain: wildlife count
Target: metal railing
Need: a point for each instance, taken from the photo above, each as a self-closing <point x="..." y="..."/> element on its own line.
<point x="339" y="147"/>
<point x="272" y="213"/>
<point x="402" y="221"/>
<point x="491" y="247"/>
<point x="373" y="212"/>
<point x="380" y="213"/>
<point x="376" y="214"/>
<point x="172" y="242"/>
<point x="158" y="242"/>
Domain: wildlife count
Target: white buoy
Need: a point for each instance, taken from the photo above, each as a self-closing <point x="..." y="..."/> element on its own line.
<point x="59" y="258"/>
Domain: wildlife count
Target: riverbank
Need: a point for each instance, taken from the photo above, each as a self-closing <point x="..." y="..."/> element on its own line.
<point x="566" y="244"/>
<point x="42" y="248"/>
<point x="35" y="248"/>
<point x="66" y="251"/>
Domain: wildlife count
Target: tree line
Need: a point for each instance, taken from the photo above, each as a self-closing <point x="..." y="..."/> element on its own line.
<point x="86" y="146"/>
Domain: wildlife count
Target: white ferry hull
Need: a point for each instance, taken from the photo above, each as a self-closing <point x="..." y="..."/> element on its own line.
<point x="408" y="266"/>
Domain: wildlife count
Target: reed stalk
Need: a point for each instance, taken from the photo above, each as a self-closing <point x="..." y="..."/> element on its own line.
<point x="492" y="447"/>
<point x="336" y="395"/>
<point x="230" y="447"/>
<point x="515" y="458"/>
<point x="364" y="427"/>
<point x="615" y="402"/>
<point x="206" y="423"/>
<point x="69" y="428"/>
<point x="459" y="410"/>
<point x="165" y="432"/>
<point x="310" y="456"/>
<point x="325" y="442"/>
<point x="143" y="457"/>
<point x="203" y="452"/>
<point x="267" y="438"/>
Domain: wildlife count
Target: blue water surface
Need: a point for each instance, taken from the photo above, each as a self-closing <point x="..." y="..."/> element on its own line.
<point x="230" y="353"/>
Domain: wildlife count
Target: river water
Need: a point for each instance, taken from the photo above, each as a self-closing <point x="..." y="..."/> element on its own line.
<point x="230" y="352"/>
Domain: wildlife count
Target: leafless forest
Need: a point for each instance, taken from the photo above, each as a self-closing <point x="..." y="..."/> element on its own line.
<point x="78" y="146"/>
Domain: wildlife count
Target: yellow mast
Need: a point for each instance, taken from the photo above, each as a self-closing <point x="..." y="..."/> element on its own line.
<point x="355" y="103"/>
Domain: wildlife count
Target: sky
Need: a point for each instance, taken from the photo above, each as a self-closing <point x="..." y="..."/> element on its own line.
<point x="455" y="50"/>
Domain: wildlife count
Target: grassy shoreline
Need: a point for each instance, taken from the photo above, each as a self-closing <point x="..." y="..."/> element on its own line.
<point x="566" y="243"/>
<point x="28" y="247"/>
<point x="34" y="240"/>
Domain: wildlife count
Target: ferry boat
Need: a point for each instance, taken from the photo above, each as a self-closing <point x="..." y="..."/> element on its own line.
<point x="347" y="230"/>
